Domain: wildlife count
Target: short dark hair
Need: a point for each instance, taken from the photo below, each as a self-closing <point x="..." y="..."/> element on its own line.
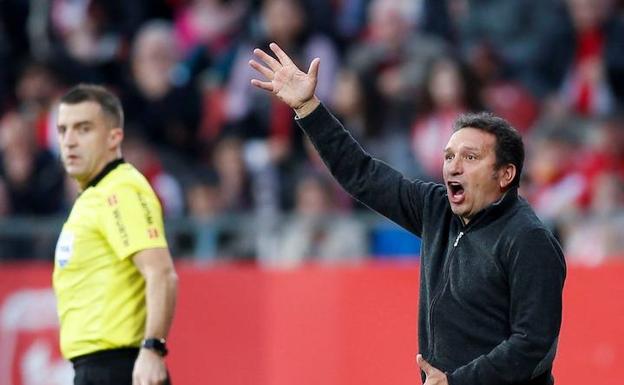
<point x="509" y="147"/>
<point x="110" y="104"/>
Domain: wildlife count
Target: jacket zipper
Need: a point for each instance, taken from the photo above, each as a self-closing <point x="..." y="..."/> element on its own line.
<point x="445" y="277"/>
<point x="461" y="234"/>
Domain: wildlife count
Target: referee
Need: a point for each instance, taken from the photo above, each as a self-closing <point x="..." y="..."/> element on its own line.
<point x="113" y="274"/>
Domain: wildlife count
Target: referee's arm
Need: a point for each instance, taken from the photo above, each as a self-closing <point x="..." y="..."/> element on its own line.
<point x="161" y="284"/>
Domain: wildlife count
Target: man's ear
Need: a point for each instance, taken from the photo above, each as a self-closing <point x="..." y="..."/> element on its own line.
<point x="115" y="137"/>
<point x="506" y="175"/>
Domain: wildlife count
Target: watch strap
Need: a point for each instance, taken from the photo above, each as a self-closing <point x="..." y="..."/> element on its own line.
<point x="157" y="344"/>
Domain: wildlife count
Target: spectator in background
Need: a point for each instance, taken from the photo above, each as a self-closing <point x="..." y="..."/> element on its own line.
<point x="203" y="195"/>
<point x="207" y="32"/>
<point x="321" y="15"/>
<point x="33" y="177"/>
<point x="449" y="91"/>
<point x="342" y="202"/>
<point x="567" y="164"/>
<point x="513" y="28"/>
<point x="602" y="153"/>
<point x="14" y="44"/>
<point x="439" y="18"/>
<point x="86" y="43"/>
<point x="349" y="103"/>
<point x="583" y="60"/>
<point x="205" y="205"/>
<point x="261" y="117"/>
<point x="211" y="25"/>
<point x="31" y="185"/>
<point x="36" y="88"/>
<point x="316" y="232"/>
<point x="235" y="185"/>
<point x="4" y="200"/>
<point x="597" y="236"/>
<point x="5" y="76"/>
<point x="391" y="60"/>
<point x="499" y="91"/>
<point x="143" y="157"/>
<point x="234" y="178"/>
<point x="533" y="59"/>
<point x="36" y="91"/>
<point x="283" y="21"/>
<point x="349" y="19"/>
<point x="555" y="186"/>
<point x="160" y="101"/>
<point x="12" y="247"/>
<point x="594" y="234"/>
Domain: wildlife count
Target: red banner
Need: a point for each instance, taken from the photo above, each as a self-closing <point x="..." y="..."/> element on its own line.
<point x="313" y="325"/>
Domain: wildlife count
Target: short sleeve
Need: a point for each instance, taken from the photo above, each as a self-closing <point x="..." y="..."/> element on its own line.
<point x="132" y="221"/>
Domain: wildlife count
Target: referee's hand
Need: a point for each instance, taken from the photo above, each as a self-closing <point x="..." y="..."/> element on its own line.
<point x="149" y="369"/>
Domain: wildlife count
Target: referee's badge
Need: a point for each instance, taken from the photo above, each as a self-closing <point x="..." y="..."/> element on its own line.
<point x="64" y="248"/>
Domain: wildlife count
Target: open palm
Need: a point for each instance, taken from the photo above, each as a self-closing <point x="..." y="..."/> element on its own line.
<point x="291" y="85"/>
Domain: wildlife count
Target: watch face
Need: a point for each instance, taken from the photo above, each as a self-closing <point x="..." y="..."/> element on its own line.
<point x="155" y="344"/>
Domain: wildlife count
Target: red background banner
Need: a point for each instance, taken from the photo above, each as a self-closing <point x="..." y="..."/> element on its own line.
<point x="313" y="325"/>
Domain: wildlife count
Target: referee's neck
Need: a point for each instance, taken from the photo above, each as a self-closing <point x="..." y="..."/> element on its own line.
<point x="104" y="170"/>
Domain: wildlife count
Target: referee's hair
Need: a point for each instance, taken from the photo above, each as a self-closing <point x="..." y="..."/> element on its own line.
<point x="111" y="106"/>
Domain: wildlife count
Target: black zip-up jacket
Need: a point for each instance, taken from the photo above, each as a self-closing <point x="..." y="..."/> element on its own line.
<point x="490" y="292"/>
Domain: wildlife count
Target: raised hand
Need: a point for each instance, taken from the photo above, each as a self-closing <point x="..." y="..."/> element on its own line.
<point x="291" y="85"/>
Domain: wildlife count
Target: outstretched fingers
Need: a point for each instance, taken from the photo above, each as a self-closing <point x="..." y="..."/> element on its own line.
<point x="266" y="72"/>
<point x="281" y="55"/>
<point x="268" y="59"/>
<point x="268" y="86"/>
<point x="314" y="68"/>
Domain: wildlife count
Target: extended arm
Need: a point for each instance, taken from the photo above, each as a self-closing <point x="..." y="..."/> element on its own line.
<point x="369" y="180"/>
<point x="157" y="268"/>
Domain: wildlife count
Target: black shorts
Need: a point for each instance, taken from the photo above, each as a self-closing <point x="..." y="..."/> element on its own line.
<point x="106" y="367"/>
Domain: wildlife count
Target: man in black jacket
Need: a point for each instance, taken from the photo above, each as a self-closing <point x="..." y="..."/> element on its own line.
<point x="491" y="274"/>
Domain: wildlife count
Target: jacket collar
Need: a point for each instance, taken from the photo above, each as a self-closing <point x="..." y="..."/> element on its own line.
<point x="493" y="211"/>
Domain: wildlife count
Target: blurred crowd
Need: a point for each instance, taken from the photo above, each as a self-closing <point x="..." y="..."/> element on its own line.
<point x="396" y="72"/>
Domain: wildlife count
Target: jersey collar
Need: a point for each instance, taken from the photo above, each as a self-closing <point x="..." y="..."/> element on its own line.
<point x="108" y="168"/>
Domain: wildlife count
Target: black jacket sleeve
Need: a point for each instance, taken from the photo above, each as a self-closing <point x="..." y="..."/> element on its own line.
<point x="536" y="273"/>
<point x="368" y="180"/>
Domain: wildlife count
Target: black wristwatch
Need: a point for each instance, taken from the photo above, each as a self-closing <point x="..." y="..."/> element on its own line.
<point x="156" y="344"/>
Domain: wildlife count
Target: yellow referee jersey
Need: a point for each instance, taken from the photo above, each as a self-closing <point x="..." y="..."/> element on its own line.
<point x="100" y="292"/>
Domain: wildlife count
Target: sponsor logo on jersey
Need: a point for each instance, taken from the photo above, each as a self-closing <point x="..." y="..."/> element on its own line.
<point x="64" y="248"/>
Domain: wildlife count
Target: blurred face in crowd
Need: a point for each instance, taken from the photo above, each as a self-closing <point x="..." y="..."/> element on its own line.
<point x="347" y="94"/>
<point x="283" y="20"/>
<point x="587" y="14"/>
<point x="390" y="21"/>
<point x="445" y="85"/>
<point x="154" y="56"/>
<point x="549" y="160"/>
<point x="312" y="198"/>
<point x="470" y="174"/>
<point x="18" y="145"/>
<point x="204" y="201"/>
<point x="87" y="139"/>
<point x="228" y="160"/>
<point x="36" y="85"/>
